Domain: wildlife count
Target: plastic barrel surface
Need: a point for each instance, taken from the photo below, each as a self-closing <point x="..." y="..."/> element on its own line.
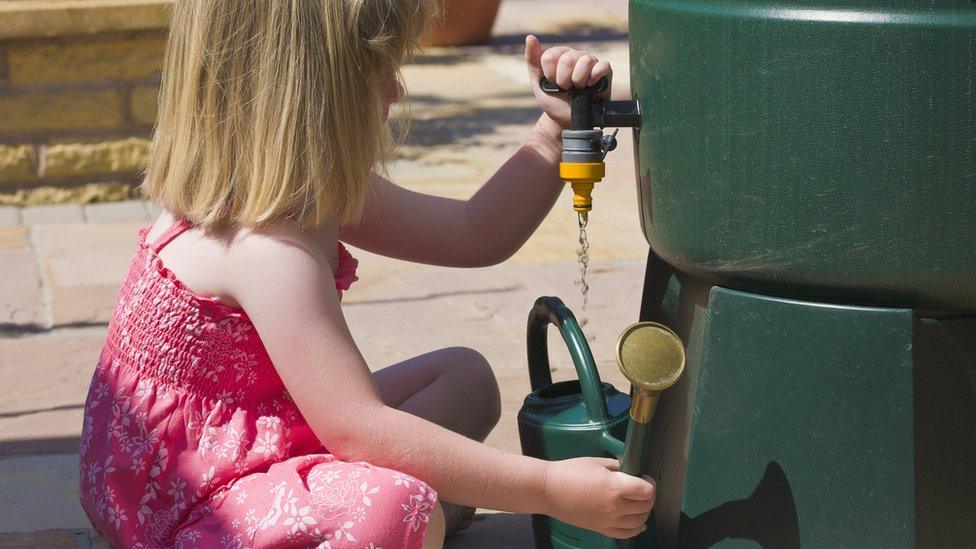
<point x="821" y="150"/>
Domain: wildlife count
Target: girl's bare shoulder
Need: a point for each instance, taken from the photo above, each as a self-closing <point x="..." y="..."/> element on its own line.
<point x="229" y="262"/>
<point x="278" y="241"/>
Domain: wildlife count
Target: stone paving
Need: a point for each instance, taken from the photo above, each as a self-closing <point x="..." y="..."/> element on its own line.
<point x="62" y="265"/>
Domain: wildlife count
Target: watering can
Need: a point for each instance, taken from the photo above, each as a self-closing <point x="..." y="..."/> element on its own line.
<point x="587" y="417"/>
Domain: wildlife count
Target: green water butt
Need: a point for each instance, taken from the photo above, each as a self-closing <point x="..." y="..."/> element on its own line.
<point x="804" y="424"/>
<point x="820" y="149"/>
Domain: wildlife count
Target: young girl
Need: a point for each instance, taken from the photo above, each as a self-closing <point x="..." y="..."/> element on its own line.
<point x="230" y="406"/>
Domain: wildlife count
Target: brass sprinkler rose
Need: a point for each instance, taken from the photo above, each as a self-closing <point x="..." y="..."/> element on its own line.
<point x="652" y="358"/>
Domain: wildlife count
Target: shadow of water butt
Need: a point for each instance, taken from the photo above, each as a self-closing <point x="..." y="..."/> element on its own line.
<point x="494" y="531"/>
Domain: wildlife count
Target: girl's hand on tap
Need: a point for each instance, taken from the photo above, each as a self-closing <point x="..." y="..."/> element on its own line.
<point x="568" y="68"/>
<point x="592" y="493"/>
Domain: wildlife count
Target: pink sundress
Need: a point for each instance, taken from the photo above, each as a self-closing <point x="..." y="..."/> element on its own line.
<point x="191" y="440"/>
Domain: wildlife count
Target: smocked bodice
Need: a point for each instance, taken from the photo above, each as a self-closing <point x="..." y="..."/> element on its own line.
<point x="165" y="330"/>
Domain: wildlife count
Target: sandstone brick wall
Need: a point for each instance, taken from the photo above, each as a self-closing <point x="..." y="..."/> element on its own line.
<point x="78" y="82"/>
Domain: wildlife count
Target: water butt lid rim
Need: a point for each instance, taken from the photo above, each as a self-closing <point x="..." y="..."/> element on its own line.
<point x="670" y="348"/>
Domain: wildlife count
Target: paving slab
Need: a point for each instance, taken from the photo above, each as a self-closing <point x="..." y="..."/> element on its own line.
<point x="83" y="266"/>
<point x="10" y="216"/>
<point x="412" y="173"/>
<point x="48" y="539"/>
<point x="21" y="301"/>
<point x="40" y="492"/>
<point x="61" y="213"/>
<point x="466" y="80"/>
<point x="575" y="19"/>
<point x="46" y="379"/>
<point x="128" y="210"/>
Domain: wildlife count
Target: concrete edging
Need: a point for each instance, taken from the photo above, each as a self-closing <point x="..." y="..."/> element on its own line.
<point x="32" y="19"/>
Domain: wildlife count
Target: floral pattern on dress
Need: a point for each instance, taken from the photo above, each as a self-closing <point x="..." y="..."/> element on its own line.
<point x="332" y="504"/>
<point x="190" y="439"/>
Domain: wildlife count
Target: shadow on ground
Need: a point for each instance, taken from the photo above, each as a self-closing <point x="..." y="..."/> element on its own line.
<point x="495" y="531"/>
<point x="469" y="127"/>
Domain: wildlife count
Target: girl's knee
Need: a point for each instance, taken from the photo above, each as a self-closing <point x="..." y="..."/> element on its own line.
<point x="478" y="373"/>
<point x="434" y="537"/>
<point x="474" y="365"/>
<point x="466" y="356"/>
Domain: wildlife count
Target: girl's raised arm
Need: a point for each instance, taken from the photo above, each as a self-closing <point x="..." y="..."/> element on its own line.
<point x="484" y="230"/>
<point x="495" y="222"/>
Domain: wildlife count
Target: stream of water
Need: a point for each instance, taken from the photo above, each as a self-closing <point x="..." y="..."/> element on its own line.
<point x="583" y="257"/>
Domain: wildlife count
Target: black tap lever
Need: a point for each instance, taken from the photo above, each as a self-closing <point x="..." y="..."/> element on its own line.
<point x="588" y="113"/>
<point x="580" y="101"/>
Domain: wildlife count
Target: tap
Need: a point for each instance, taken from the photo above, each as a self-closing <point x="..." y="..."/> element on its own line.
<point x="584" y="145"/>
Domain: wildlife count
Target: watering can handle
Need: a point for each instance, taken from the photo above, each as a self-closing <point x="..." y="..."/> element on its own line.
<point x="551" y="310"/>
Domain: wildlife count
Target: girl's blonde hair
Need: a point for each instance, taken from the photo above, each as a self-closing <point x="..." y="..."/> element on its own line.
<point x="272" y="109"/>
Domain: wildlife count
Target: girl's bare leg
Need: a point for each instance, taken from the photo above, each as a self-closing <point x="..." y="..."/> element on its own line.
<point x="452" y="387"/>
<point x="434" y="538"/>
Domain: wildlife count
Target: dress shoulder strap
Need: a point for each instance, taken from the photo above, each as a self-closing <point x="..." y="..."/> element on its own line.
<point x="170" y="233"/>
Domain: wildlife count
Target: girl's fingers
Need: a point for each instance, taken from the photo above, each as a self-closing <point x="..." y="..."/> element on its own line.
<point x="639" y="489"/>
<point x="550" y="58"/>
<point x="599" y="70"/>
<point x="533" y="57"/>
<point x="581" y="73"/>
<point x="564" y="68"/>
<point x="633" y="521"/>
<point x="634" y="507"/>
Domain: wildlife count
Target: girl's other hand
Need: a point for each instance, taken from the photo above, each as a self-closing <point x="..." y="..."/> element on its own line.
<point x="592" y="493"/>
<point x="566" y="67"/>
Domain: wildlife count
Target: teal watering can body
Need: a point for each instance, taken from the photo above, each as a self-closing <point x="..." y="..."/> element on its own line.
<point x="569" y="419"/>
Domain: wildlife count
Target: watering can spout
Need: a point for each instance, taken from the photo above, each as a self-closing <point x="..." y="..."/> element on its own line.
<point x="652" y="357"/>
